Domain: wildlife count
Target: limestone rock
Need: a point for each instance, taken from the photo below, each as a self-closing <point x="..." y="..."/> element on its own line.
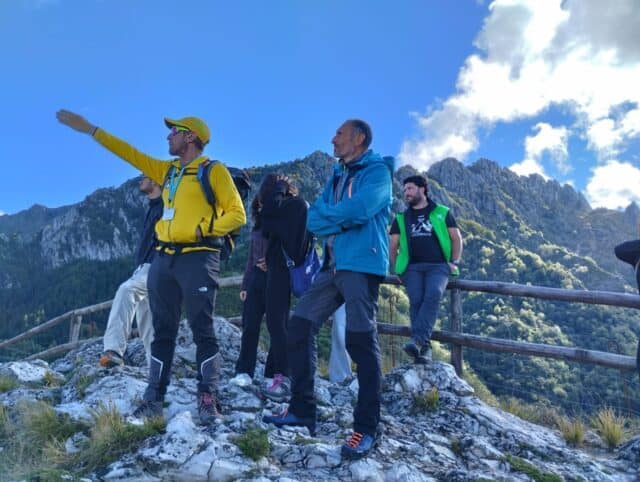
<point x="462" y="439"/>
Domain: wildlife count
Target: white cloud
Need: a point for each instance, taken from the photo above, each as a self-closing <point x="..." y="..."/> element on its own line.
<point x="528" y="166"/>
<point x="552" y="141"/>
<point x="608" y="135"/>
<point x="614" y="185"/>
<point x="535" y="55"/>
<point x="2" y="213"/>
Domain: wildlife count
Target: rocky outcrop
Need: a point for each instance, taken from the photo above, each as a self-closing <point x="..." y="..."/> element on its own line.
<point x="104" y="226"/>
<point x="456" y="438"/>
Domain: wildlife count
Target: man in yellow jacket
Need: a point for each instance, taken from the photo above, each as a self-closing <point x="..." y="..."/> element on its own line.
<point x="190" y="235"/>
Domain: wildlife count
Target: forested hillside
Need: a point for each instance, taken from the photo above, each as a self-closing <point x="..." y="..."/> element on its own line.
<point x="525" y="230"/>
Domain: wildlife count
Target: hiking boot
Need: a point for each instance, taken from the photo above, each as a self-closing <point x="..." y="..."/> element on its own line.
<point x="280" y="389"/>
<point x="359" y="445"/>
<point x="426" y="354"/>
<point x="412" y="349"/>
<point x="148" y="409"/>
<point x="110" y="359"/>
<point x="291" y="420"/>
<point x="207" y="408"/>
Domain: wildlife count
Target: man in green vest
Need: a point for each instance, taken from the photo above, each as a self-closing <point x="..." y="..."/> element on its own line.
<point x="425" y="246"/>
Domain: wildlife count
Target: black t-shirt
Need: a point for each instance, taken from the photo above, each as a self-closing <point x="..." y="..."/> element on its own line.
<point x="423" y="243"/>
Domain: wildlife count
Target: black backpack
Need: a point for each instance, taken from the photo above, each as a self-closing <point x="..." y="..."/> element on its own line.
<point x="243" y="184"/>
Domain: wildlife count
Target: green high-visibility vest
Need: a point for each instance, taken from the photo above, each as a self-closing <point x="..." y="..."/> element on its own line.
<point x="437" y="217"/>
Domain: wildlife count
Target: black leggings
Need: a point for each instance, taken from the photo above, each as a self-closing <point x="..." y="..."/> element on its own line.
<point x="278" y="304"/>
<point x="252" y="313"/>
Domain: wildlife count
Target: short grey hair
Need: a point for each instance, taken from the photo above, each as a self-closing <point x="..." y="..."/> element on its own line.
<point x="361" y="127"/>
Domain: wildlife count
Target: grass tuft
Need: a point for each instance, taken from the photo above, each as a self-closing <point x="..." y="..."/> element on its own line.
<point x="538" y="413"/>
<point x="7" y="383"/>
<point x="50" y="379"/>
<point x="428" y="401"/>
<point x="573" y="431"/>
<point x="25" y="432"/>
<point x="110" y="437"/>
<point x="254" y="443"/>
<point x="43" y="424"/>
<point x="609" y="426"/>
<point x="82" y="383"/>
<point x="4" y="422"/>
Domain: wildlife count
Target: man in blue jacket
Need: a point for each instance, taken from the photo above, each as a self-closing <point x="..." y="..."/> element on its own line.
<point x="352" y="215"/>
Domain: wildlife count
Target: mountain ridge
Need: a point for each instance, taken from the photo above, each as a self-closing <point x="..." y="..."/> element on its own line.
<point x="516" y="229"/>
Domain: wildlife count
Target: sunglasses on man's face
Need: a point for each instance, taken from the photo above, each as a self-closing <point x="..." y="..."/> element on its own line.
<point x="175" y="129"/>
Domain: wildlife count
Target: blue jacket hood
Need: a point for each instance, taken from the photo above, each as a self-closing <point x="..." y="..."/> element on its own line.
<point x="369" y="157"/>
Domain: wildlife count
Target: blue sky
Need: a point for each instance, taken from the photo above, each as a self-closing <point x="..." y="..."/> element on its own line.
<point x="538" y="86"/>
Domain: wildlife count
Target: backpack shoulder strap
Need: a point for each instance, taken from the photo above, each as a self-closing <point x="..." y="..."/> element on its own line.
<point x="204" y="169"/>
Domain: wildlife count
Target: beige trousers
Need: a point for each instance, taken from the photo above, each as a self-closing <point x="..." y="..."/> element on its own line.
<point x="130" y="299"/>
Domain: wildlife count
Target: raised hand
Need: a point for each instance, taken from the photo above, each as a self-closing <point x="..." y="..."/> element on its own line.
<point x="75" y="121"/>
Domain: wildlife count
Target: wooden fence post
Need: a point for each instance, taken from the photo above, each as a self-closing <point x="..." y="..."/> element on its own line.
<point x="74" y="329"/>
<point x="456" y="327"/>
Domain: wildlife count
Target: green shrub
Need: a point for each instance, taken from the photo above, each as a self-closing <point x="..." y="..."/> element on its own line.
<point x="521" y="465"/>
<point x="609" y="426"/>
<point x="254" y="443"/>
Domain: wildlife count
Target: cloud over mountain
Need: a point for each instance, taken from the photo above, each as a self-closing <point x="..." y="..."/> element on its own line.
<point x="582" y="57"/>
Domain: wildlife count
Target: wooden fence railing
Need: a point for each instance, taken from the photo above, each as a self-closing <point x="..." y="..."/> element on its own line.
<point x="454" y="335"/>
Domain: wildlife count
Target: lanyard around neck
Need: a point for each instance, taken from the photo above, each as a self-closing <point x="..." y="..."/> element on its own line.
<point x="174" y="183"/>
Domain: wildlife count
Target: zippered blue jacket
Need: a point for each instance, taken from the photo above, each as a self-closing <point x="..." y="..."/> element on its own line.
<point x="359" y="219"/>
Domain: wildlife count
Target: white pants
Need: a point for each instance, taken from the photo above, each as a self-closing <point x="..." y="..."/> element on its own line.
<point x="131" y="298"/>
<point x="339" y="361"/>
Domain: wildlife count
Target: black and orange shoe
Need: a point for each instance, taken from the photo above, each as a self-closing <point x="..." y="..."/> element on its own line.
<point x="359" y="445"/>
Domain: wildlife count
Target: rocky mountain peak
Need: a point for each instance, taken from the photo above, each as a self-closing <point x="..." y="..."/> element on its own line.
<point x="434" y="427"/>
<point x="632" y="214"/>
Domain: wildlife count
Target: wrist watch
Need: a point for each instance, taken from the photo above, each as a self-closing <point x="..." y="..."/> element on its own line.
<point x="455" y="261"/>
